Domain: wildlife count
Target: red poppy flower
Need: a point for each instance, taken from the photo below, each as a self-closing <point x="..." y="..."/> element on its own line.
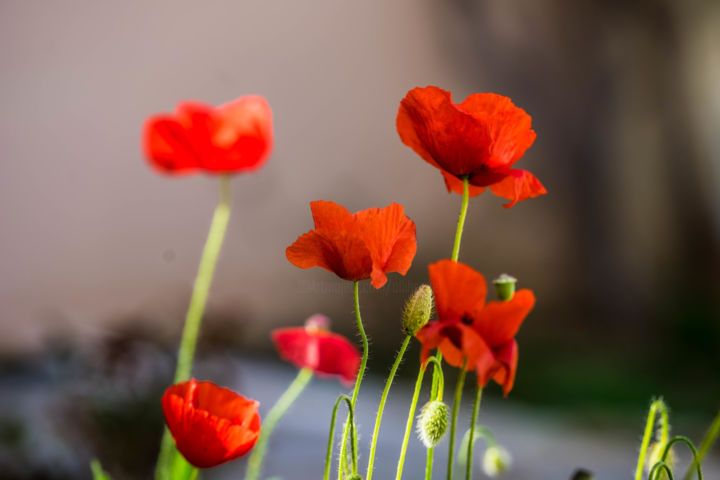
<point x="314" y="347"/>
<point x="235" y="137"/>
<point x="210" y="424"/>
<point x="468" y="329"/>
<point x="356" y="246"/>
<point x="481" y="138"/>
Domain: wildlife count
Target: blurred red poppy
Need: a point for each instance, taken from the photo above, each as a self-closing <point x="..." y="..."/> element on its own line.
<point x="314" y="347"/>
<point x="235" y="137"/>
<point x="210" y="424"/>
<point x="356" y="246"/>
<point x="481" y="138"/>
<point x="468" y="329"/>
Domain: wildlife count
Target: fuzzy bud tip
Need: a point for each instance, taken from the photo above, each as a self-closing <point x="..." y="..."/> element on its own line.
<point x="417" y="310"/>
<point x="496" y="461"/>
<point x="432" y="423"/>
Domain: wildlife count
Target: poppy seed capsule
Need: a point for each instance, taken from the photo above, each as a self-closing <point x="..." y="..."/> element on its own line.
<point x="496" y="461"/>
<point x="505" y="287"/>
<point x="432" y="423"/>
<point x="417" y="310"/>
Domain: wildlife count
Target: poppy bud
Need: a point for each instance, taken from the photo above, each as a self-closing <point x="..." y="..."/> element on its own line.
<point x="354" y="477"/>
<point x="432" y="423"/>
<point x="417" y="310"/>
<point x="655" y="453"/>
<point x="496" y="461"/>
<point x="505" y="287"/>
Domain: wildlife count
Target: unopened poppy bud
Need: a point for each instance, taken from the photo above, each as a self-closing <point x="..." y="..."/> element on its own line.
<point x="496" y="461"/>
<point x="432" y="423"/>
<point x="655" y="453"/>
<point x="505" y="286"/>
<point x="417" y="310"/>
<point x="354" y="477"/>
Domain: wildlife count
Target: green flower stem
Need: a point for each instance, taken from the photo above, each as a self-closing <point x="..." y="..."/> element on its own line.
<point x="328" y="453"/>
<point x="358" y="381"/>
<point x="476" y="407"/>
<point x="193" y="318"/>
<point x="381" y="406"/>
<point x="411" y="414"/>
<point x="461" y="219"/>
<point x="649" y="426"/>
<point x="656" y="470"/>
<point x="705" y="445"/>
<point x="453" y="420"/>
<point x="696" y="461"/>
<point x="255" y="462"/>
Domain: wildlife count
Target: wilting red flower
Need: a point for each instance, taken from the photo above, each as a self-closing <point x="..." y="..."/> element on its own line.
<point x="210" y="424"/>
<point x="468" y="329"/>
<point x="481" y="138"/>
<point x="235" y="137"/>
<point x="314" y="347"/>
<point x="356" y="246"/>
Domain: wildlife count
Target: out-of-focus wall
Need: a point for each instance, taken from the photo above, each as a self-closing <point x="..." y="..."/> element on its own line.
<point x="623" y="96"/>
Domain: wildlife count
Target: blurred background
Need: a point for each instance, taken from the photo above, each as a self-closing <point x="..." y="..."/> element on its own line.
<point x="98" y="252"/>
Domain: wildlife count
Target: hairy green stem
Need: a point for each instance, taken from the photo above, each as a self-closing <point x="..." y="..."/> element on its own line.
<point x="331" y="435"/>
<point x="649" y="427"/>
<point x="358" y="381"/>
<point x="411" y="414"/>
<point x="476" y="407"/>
<point x="705" y="445"/>
<point x="255" y="462"/>
<point x="381" y="406"/>
<point x="193" y="318"/>
<point x="453" y="420"/>
<point x="461" y="219"/>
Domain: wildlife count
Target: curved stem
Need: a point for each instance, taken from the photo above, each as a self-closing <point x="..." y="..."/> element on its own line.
<point x="453" y="419"/>
<point x="705" y="445"/>
<point x="358" y="381"/>
<point x="686" y="441"/>
<point x="461" y="219"/>
<point x="657" y="468"/>
<point x="381" y="406"/>
<point x="255" y="462"/>
<point x="328" y="453"/>
<point x="476" y="407"/>
<point x="649" y="425"/>
<point x="193" y="318"/>
<point x="411" y="415"/>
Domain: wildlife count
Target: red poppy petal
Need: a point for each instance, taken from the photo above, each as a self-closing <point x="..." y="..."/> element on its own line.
<point x="441" y="133"/>
<point x="390" y="238"/>
<point x="167" y="147"/>
<point x="242" y="135"/>
<point x="498" y="322"/>
<point x="506" y="360"/>
<point x="331" y="216"/>
<point x="509" y="127"/>
<point x="323" y="352"/>
<point x="518" y="185"/>
<point x="339" y="252"/>
<point x="459" y="290"/>
<point x="454" y="184"/>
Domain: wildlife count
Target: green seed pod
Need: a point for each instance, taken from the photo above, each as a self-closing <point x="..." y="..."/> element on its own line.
<point x="496" y="461"/>
<point x="505" y="286"/>
<point x="432" y="423"/>
<point x="417" y="310"/>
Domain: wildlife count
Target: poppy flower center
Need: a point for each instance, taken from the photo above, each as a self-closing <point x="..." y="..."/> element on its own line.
<point x="466" y="319"/>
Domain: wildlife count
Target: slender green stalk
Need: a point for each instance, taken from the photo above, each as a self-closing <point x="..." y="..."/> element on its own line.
<point x="659" y="467"/>
<point x="688" y="442"/>
<point x="193" y="318"/>
<point x="358" y="381"/>
<point x="649" y="426"/>
<point x="331" y="435"/>
<point x="255" y="462"/>
<point x="705" y="445"/>
<point x="461" y="219"/>
<point x="194" y="474"/>
<point x="381" y="406"/>
<point x="476" y="407"/>
<point x="453" y="420"/>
